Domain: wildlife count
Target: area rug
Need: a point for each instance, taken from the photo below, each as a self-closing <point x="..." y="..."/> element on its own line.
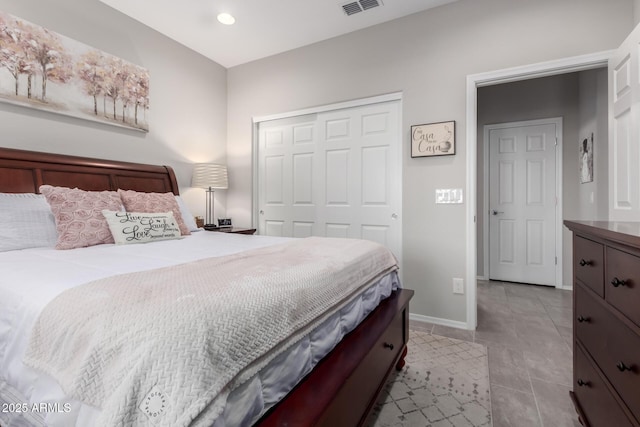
<point x="444" y="383"/>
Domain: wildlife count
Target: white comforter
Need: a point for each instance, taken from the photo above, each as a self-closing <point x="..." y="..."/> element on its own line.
<point x="32" y="278"/>
<point x="167" y="346"/>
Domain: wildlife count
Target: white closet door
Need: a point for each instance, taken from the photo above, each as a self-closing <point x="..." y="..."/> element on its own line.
<point x="624" y="130"/>
<point x="287" y="177"/>
<point x="334" y="174"/>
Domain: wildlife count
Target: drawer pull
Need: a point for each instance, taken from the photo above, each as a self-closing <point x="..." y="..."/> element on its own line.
<point x="387" y="345"/>
<point x="584" y="262"/>
<point x="583" y="383"/>
<point x="622" y="367"/>
<point x="582" y="319"/>
<point x="617" y="282"/>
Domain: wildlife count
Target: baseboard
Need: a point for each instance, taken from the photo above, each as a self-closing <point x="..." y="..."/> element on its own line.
<point x="482" y="278"/>
<point x="437" y="321"/>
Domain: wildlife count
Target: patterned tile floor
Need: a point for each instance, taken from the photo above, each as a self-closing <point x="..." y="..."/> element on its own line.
<point x="444" y="383"/>
<point x="527" y="330"/>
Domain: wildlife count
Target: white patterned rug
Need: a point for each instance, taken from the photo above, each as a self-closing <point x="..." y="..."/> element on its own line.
<point x="444" y="383"/>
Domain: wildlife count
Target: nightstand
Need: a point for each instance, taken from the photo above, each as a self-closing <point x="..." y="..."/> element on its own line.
<point x="234" y="230"/>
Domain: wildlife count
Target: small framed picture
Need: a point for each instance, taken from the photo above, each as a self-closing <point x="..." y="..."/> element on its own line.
<point x="433" y="139"/>
<point x="586" y="159"/>
<point x="224" y="222"/>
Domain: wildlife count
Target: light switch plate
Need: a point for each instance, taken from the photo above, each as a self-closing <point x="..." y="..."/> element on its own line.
<point x="458" y="286"/>
<point x="448" y="195"/>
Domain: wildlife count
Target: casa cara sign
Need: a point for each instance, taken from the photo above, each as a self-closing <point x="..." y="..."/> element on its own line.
<point x="434" y="139"/>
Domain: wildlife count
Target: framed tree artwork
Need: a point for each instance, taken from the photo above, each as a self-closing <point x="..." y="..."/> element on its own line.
<point x="44" y="70"/>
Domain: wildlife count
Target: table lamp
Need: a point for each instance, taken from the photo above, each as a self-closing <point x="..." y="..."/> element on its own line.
<point x="211" y="176"/>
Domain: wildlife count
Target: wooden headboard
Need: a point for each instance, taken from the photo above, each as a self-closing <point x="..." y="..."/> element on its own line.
<point x="25" y="171"/>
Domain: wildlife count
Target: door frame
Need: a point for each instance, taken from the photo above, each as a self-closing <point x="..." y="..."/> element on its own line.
<point x="379" y="99"/>
<point x="558" y="207"/>
<point x="474" y="81"/>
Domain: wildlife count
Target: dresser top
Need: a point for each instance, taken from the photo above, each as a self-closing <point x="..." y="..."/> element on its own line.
<point x="627" y="233"/>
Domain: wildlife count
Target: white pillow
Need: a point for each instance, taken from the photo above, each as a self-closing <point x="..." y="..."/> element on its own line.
<point x="26" y="221"/>
<point x="187" y="217"/>
<point x="139" y="227"/>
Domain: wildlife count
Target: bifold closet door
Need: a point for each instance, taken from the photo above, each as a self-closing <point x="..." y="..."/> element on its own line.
<point x="333" y="174"/>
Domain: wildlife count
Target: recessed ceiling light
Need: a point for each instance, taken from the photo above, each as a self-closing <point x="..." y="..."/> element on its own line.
<point x="226" y="19"/>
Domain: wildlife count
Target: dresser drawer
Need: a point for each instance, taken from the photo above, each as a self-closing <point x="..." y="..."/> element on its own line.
<point x="388" y="347"/>
<point x="588" y="263"/>
<point x="622" y="284"/>
<point x="598" y="405"/>
<point x="362" y="386"/>
<point x="591" y="323"/>
<point x="614" y="347"/>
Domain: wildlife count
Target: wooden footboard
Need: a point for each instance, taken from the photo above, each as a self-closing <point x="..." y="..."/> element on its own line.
<point x="344" y="386"/>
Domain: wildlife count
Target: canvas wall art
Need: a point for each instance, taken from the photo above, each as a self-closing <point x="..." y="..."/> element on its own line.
<point x="45" y="70"/>
<point x="586" y="159"/>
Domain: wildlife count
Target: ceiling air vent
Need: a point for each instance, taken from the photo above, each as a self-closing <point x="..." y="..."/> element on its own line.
<point x="359" y="6"/>
<point x="369" y="4"/>
<point x="351" y="8"/>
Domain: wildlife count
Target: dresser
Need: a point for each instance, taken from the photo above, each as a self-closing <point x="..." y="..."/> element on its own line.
<point x="606" y="324"/>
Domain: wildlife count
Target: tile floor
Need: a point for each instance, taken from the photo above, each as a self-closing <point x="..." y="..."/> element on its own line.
<point x="445" y="383"/>
<point x="528" y="331"/>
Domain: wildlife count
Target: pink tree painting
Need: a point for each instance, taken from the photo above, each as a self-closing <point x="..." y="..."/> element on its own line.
<point x="42" y="69"/>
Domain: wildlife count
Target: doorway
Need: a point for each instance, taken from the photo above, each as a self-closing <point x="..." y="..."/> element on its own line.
<point x="474" y="82"/>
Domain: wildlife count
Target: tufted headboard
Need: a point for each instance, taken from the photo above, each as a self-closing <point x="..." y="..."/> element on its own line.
<point x="24" y="171"/>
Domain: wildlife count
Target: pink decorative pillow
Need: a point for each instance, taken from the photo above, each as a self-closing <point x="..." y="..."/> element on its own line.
<point x="78" y="215"/>
<point x="135" y="201"/>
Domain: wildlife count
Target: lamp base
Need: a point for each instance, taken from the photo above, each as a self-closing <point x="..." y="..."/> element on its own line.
<point x="210" y="222"/>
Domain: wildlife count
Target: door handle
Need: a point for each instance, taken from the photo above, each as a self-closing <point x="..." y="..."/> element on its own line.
<point x="495" y="212"/>
<point x="394" y="216"/>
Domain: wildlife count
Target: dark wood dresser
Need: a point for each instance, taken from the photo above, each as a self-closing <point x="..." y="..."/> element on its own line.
<point x="606" y="324"/>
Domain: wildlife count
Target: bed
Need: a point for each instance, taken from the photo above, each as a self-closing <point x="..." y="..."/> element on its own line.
<point x="341" y="388"/>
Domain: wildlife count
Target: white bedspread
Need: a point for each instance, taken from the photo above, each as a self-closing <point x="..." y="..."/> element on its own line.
<point x="32" y="278"/>
<point x="185" y="336"/>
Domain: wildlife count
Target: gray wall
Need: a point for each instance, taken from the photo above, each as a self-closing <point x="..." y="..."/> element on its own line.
<point x="187" y="116"/>
<point x="427" y="56"/>
<point x="581" y="100"/>
<point x="636" y="11"/>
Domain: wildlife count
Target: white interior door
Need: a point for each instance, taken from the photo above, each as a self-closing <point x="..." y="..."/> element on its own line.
<point x="334" y="174"/>
<point x="288" y="174"/>
<point x="522" y="202"/>
<point x="624" y="130"/>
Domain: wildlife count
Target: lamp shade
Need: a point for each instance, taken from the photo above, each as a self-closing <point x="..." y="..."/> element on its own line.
<point x="209" y="175"/>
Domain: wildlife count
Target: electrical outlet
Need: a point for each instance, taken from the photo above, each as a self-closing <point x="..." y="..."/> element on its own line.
<point x="458" y="286"/>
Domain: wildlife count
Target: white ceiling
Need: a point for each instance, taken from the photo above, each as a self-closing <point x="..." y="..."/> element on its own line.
<point x="263" y="27"/>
